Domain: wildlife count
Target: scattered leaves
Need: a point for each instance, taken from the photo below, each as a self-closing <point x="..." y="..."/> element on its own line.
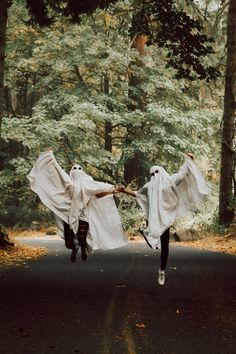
<point x="19" y="254"/>
<point x="225" y="243"/>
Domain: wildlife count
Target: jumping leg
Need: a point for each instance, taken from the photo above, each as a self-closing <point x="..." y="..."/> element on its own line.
<point x="82" y="234"/>
<point x="69" y="237"/>
<point x="165" y="238"/>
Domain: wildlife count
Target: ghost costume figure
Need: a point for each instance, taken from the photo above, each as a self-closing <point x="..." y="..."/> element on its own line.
<point x="85" y="210"/>
<point x="166" y="197"/>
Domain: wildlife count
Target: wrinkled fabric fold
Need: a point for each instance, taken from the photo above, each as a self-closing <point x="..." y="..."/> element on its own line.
<point x="53" y="185"/>
<point x="165" y="197"/>
<point x="70" y="196"/>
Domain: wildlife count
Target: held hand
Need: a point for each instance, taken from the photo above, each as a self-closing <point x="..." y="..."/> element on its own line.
<point x="190" y="155"/>
<point x="119" y="189"/>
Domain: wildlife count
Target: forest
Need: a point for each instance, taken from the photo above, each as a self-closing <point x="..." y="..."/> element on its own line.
<point x="117" y="87"/>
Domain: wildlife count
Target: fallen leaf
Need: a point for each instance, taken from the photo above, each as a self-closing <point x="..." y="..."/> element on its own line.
<point x="19" y="254"/>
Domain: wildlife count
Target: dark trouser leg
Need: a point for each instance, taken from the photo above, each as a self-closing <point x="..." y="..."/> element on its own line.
<point x="70" y="241"/>
<point x="69" y="237"/>
<point x="165" y="238"/>
<point x="82" y="234"/>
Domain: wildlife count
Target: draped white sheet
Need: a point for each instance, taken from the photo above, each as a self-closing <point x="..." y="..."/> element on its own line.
<point x="69" y="196"/>
<point x="165" y="197"/>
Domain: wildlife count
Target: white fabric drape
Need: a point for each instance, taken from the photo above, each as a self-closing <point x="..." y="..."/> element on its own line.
<point x="165" y="197"/>
<point x="70" y="196"/>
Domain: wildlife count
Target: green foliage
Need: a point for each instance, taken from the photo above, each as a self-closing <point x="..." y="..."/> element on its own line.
<point x="66" y="82"/>
<point x="166" y="25"/>
<point x="41" y="11"/>
<point x="205" y="218"/>
<point x="131" y="214"/>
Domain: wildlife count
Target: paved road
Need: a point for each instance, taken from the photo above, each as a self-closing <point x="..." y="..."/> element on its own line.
<point x="112" y="304"/>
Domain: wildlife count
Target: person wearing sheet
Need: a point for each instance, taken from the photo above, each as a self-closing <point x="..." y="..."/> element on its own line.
<point x="165" y="197"/>
<point x="85" y="210"/>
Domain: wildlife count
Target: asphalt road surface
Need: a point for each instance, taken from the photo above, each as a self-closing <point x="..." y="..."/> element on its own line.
<point x="112" y="304"/>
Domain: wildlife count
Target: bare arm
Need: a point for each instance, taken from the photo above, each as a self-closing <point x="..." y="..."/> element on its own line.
<point x="127" y="191"/>
<point x="103" y="194"/>
<point x="190" y="155"/>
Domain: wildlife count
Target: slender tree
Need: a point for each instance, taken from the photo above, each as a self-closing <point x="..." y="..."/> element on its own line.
<point x="227" y="175"/>
<point x="3" y="28"/>
<point x="133" y="166"/>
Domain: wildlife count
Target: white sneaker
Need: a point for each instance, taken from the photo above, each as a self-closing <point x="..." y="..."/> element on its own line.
<point x="161" y="277"/>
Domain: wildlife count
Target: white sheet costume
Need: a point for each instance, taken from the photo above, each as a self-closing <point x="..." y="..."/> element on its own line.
<point x="165" y="197"/>
<point x="73" y="197"/>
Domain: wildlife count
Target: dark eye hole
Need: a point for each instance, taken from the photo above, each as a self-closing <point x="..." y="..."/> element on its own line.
<point x="74" y="168"/>
<point x="153" y="173"/>
<point x="80" y="168"/>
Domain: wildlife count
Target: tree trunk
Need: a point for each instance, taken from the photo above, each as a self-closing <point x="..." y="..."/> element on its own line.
<point x="134" y="167"/>
<point x="108" y="125"/>
<point x="3" y="30"/>
<point x="228" y="127"/>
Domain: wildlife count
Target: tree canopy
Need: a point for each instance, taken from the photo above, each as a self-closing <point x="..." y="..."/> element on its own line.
<point x="117" y="89"/>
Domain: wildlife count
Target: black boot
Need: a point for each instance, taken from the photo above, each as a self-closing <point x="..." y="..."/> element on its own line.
<point x="82" y="234"/>
<point x="73" y="254"/>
